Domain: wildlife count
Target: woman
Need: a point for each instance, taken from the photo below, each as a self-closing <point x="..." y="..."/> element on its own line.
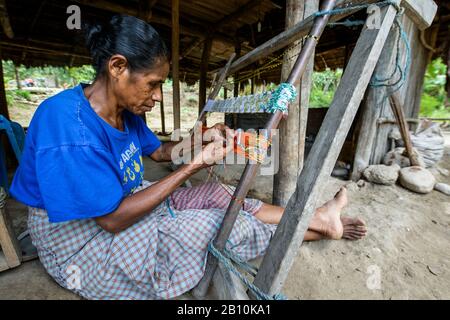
<point x="100" y="229"/>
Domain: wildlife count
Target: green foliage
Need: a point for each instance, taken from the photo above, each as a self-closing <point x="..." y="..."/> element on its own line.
<point x="323" y="87"/>
<point x="12" y="95"/>
<point x="23" y="94"/>
<point x="434" y="95"/>
<point x="85" y="74"/>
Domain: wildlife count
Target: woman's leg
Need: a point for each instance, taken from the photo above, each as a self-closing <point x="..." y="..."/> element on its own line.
<point x="326" y="222"/>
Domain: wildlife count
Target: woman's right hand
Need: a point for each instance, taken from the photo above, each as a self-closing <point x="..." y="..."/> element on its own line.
<point x="215" y="151"/>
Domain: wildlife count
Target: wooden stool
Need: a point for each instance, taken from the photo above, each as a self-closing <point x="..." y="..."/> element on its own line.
<point x="11" y="255"/>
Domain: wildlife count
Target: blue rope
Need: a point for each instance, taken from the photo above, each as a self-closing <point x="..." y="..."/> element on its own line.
<point x="170" y="209"/>
<point x="229" y="266"/>
<point x="337" y="11"/>
<point x="348" y="23"/>
<point x="249" y="268"/>
<point x="376" y="81"/>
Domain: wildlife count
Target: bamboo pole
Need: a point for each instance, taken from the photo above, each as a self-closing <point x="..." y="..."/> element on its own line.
<point x="251" y="169"/>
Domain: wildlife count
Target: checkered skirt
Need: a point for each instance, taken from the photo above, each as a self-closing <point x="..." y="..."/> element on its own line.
<point x="161" y="256"/>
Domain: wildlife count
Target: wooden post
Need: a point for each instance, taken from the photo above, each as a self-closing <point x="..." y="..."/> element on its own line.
<point x="161" y="105"/>
<point x="204" y="74"/>
<point x="176" y="63"/>
<point x="10" y="246"/>
<point x="318" y="167"/>
<point x="16" y="71"/>
<point x="3" y="102"/>
<point x="447" y="86"/>
<point x="292" y="150"/>
<point x="237" y="85"/>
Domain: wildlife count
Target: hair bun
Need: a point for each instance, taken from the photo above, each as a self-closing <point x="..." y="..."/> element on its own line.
<point x="93" y="35"/>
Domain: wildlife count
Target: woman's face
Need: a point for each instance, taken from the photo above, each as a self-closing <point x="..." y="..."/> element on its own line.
<point x="139" y="91"/>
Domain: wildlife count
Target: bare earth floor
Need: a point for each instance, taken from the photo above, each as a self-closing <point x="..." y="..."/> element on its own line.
<point x="405" y="255"/>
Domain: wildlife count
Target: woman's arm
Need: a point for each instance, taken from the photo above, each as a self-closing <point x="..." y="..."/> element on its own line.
<point x="136" y="206"/>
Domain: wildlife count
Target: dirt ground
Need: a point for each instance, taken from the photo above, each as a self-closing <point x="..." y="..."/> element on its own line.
<point x="404" y="256"/>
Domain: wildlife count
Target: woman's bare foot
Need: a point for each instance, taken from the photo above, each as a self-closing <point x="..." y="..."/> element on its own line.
<point x="328" y="221"/>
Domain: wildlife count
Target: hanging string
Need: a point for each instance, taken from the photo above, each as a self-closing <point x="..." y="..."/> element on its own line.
<point x="226" y="262"/>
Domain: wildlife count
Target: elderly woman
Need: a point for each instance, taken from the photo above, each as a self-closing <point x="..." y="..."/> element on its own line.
<point x="100" y="229"/>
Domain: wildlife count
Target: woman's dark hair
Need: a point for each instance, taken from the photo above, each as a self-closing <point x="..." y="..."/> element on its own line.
<point x="131" y="37"/>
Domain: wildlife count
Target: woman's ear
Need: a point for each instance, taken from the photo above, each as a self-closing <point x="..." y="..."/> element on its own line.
<point x="117" y="66"/>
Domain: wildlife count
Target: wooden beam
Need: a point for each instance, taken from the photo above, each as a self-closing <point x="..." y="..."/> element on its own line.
<point x="301" y="29"/>
<point x="447" y="85"/>
<point x="163" y="118"/>
<point x="203" y="74"/>
<point x="4" y="20"/>
<point x="3" y="101"/>
<point x="176" y="63"/>
<point x="292" y="150"/>
<point x="191" y="29"/>
<point x="8" y="241"/>
<point x="290" y="233"/>
<point x="236" y="14"/>
<point x="145" y="9"/>
<point x="287" y="37"/>
<point x="421" y="12"/>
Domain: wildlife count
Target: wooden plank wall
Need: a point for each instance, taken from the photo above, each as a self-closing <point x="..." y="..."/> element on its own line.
<point x="373" y="142"/>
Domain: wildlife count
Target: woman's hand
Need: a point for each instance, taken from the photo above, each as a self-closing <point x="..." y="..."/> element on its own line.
<point x="221" y="143"/>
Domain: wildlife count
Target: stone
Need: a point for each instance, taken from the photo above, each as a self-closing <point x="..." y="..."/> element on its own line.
<point x="361" y="183"/>
<point x="442" y="187"/>
<point x="352" y="187"/>
<point x="398" y="156"/>
<point x="417" y="179"/>
<point x="382" y="174"/>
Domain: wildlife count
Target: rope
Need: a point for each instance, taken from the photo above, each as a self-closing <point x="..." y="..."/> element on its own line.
<point x="172" y="214"/>
<point x="377" y="82"/>
<point x="230" y="267"/>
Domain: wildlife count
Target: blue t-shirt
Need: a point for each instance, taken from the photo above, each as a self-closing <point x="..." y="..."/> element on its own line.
<point x="77" y="166"/>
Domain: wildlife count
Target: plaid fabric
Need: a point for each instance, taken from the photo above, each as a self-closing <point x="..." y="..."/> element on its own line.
<point x="160" y="257"/>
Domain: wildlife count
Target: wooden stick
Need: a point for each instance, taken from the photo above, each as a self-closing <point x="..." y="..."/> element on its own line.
<point x="215" y="92"/>
<point x="284" y="246"/>
<point x="163" y="118"/>
<point x="207" y="45"/>
<point x="251" y="169"/>
<point x="9" y="244"/>
<point x="397" y="109"/>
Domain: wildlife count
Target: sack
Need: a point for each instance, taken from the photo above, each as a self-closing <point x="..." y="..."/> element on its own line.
<point x="429" y="142"/>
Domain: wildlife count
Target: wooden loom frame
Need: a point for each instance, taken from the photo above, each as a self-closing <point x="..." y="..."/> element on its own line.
<point x="290" y="232"/>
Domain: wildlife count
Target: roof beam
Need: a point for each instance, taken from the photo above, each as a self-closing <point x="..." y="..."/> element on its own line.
<point x="192" y="30"/>
<point x="302" y="28"/>
<point x="236" y="15"/>
<point x="4" y="20"/>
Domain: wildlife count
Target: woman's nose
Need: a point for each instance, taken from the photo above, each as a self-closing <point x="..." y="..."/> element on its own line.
<point x="157" y="94"/>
